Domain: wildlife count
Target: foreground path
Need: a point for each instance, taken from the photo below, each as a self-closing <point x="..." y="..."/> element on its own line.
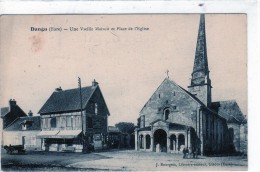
<point x="119" y="160"/>
<point x="152" y="161"/>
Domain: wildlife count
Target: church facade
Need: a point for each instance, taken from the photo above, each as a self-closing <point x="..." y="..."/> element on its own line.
<point x="174" y="118"/>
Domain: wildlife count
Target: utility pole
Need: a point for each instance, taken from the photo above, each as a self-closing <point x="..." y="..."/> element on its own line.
<point x="82" y="136"/>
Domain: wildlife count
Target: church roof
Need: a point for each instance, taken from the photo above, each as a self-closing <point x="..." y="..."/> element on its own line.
<point x="67" y="100"/>
<point x="172" y="125"/>
<point x="148" y="128"/>
<point x="230" y="111"/>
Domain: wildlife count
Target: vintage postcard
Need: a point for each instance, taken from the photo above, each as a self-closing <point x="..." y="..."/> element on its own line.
<point x="124" y="92"/>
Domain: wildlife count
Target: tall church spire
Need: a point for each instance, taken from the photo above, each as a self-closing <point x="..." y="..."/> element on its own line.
<point x="200" y="68"/>
<point x="200" y="82"/>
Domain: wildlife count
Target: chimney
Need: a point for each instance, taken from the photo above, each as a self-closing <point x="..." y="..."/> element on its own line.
<point x="94" y="83"/>
<point x="12" y="103"/>
<point x="58" y="89"/>
<point x="30" y="113"/>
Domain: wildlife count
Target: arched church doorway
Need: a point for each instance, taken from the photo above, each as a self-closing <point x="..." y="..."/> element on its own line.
<point x="160" y="140"/>
<point x="173" y="142"/>
<point x="181" y="139"/>
<point x="148" y="141"/>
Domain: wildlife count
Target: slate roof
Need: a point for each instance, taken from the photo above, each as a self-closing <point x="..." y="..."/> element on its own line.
<point x="67" y="100"/>
<point x="230" y="111"/>
<point x="113" y="129"/>
<point x="33" y="123"/>
<point x="9" y="115"/>
<point x="172" y="125"/>
<point x="4" y="111"/>
<point x="194" y="97"/>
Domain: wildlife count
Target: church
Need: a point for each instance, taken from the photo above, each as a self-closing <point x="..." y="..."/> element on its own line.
<point x="174" y="118"/>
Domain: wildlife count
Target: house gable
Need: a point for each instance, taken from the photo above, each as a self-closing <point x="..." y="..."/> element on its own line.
<point x="97" y="97"/>
<point x="14" y="112"/>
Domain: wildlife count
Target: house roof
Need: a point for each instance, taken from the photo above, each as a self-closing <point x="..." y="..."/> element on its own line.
<point x="4" y="111"/>
<point x="33" y="123"/>
<point x="113" y="129"/>
<point x="11" y="114"/>
<point x="230" y="111"/>
<point x="67" y="100"/>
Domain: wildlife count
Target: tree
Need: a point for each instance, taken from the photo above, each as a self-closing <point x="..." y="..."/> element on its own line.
<point x="126" y="127"/>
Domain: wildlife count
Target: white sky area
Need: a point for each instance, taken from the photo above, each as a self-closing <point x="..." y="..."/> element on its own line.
<point x="129" y="65"/>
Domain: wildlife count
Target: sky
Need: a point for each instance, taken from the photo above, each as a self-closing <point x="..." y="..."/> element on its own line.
<point x="128" y="64"/>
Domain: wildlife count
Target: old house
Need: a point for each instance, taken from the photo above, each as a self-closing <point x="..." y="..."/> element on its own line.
<point x="118" y="139"/>
<point x="67" y="126"/>
<point x="9" y="114"/>
<point x="174" y="118"/>
<point x="23" y="131"/>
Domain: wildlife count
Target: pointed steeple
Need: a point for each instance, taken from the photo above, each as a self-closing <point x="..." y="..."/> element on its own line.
<point x="200" y="82"/>
<point x="200" y="68"/>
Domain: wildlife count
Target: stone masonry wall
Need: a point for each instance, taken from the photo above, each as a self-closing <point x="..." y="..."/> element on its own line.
<point x="183" y="107"/>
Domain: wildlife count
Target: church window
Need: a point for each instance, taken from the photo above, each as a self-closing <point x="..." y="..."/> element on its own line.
<point x="159" y="96"/>
<point x="174" y="93"/>
<point x="142" y="121"/>
<point x="139" y="122"/>
<point x="166" y="113"/>
<point x="174" y="107"/>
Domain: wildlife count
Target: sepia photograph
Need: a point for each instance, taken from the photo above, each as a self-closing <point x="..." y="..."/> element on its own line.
<point x="124" y="92"/>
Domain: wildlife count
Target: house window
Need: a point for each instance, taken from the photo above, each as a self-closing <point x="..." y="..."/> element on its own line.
<point x="46" y="122"/>
<point x="53" y="122"/>
<point x="90" y="122"/>
<point x="16" y="140"/>
<point x="96" y="108"/>
<point x="69" y="121"/>
<point x="78" y="123"/>
<point x="63" y="122"/>
<point x="166" y="113"/>
<point x="33" y="140"/>
<point x="24" y="126"/>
